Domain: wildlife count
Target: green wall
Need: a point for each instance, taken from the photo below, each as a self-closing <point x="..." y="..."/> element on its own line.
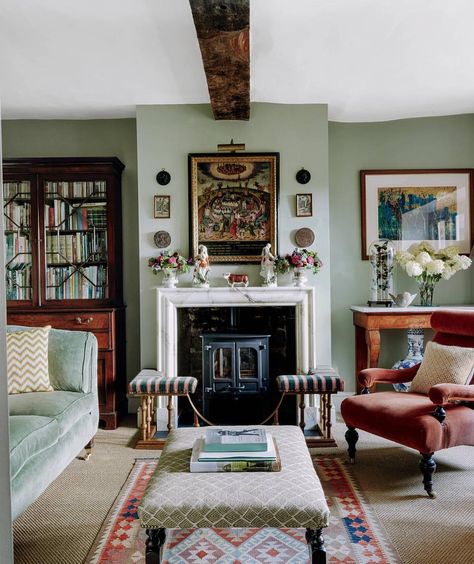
<point x="166" y="134"/>
<point x="93" y="138"/>
<point x="444" y="142"/>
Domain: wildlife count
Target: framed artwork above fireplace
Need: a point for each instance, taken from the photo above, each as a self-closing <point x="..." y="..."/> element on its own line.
<point x="233" y="204"/>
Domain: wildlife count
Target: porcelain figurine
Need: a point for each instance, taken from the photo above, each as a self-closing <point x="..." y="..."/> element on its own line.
<point x="201" y="268"/>
<point x="404" y="299"/>
<point x="267" y="266"/>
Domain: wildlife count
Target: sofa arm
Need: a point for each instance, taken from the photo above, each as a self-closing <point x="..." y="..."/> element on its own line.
<point x="441" y="394"/>
<point x="369" y="376"/>
<point x="72" y="357"/>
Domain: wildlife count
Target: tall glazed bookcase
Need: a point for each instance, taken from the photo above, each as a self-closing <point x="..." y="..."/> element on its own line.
<point x="63" y="249"/>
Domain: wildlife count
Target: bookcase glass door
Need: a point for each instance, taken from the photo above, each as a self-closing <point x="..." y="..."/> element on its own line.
<point x="76" y="246"/>
<point x="18" y="248"/>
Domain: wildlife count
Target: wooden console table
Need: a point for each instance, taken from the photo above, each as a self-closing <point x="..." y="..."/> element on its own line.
<point x="369" y="321"/>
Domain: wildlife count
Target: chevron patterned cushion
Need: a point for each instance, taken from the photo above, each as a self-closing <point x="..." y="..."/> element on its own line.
<point x="27" y="361"/>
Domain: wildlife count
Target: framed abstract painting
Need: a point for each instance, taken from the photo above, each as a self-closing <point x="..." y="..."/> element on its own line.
<point x="409" y="206"/>
<point x="233" y="204"/>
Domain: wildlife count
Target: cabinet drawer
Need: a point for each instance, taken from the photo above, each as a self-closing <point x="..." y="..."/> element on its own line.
<point x="83" y="321"/>
<point x="67" y="320"/>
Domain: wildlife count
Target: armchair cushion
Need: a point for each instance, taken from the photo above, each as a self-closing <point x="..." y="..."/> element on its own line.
<point x="443" y="365"/>
<point x="27" y="361"/>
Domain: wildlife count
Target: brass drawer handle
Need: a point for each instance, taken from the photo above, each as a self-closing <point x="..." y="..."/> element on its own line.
<point x="86" y="321"/>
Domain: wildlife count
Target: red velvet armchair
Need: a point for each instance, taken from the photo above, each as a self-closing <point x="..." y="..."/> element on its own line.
<point x="442" y="419"/>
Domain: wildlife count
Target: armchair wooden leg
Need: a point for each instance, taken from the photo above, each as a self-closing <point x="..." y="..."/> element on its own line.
<point x="428" y="467"/>
<point x="154" y="544"/>
<point x="352" y="436"/>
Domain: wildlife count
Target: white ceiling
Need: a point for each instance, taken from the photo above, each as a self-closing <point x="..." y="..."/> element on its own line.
<point x="369" y="60"/>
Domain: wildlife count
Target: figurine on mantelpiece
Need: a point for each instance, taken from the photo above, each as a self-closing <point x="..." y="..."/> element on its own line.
<point x="267" y="263"/>
<point x="201" y="268"/>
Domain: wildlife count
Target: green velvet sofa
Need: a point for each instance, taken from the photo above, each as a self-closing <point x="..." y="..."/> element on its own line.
<point x="49" y="429"/>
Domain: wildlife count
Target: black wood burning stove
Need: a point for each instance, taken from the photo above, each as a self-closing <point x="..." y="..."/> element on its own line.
<point x="235" y="366"/>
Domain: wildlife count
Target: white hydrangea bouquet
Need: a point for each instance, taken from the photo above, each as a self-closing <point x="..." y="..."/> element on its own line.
<point x="428" y="266"/>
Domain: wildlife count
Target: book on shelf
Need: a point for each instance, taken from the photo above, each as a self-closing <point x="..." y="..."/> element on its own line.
<point x="225" y="440"/>
<point x="236" y="462"/>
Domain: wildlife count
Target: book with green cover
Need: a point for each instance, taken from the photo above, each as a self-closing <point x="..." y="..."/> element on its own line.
<point x="235" y="440"/>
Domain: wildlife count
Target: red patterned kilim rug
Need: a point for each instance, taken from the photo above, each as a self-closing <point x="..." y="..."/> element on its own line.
<point x="353" y="536"/>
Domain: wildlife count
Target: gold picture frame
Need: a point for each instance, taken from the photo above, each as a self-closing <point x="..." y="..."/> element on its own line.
<point x="233" y="204"/>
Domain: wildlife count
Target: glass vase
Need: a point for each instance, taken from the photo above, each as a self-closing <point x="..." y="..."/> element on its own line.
<point x="382" y="256"/>
<point x="299" y="277"/>
<point x="170" y="278"/>
<point x="426" y="289"/>
<point x="415" y="339"/>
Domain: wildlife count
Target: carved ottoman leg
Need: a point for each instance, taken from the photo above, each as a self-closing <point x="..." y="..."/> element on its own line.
<point x="427" y="467"/>
<point x="154" y="544"/>
<point x="352" y="436"/>
<point x="317" y="552"/>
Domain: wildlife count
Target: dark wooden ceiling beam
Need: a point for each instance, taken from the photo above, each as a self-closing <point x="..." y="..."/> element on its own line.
<point x="222" y="28"/>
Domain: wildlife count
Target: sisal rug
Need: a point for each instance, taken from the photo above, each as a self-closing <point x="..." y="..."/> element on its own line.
<point x="353" y="536"/>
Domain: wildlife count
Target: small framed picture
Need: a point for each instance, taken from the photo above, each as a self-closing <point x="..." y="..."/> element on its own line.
<point x="162" y="207"/>
<point x="304" y="205"/>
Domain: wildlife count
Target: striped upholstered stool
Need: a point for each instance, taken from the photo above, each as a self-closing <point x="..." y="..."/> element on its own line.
<point x="149" y="384"/>
<point x="307" y="384"/>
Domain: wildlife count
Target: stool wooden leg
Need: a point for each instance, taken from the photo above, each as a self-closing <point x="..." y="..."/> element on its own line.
<point x="302" y="406"/>
<point x="170" y="413"/>
<point x="149" y="414"/>
<point x="328" y="431"/>
<point x="144" y="417"/>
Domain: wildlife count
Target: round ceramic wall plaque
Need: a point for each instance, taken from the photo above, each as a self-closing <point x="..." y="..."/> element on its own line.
<point x="163" y="177"/>
<point x="162" y="239"/>
<point x="304" y="237"/>
<point x="303" y="176"/>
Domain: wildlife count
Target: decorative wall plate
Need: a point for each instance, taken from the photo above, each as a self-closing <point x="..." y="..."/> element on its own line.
<point x="162" y="239"/>
<point x="304" y="237"/>
<point x="303" y="176"/>
<point x="163" y="177"/>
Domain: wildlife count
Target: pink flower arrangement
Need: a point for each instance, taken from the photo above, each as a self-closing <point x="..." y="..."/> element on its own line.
<point x="165" y="261"/>
<point x="302" y="258"/>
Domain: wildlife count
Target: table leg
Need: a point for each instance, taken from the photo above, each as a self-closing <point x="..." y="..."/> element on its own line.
<point x="317" y="551"/>
<point x="372" y="338"/>
<point x="367" y="350"/>
<point x="154" y="544"/>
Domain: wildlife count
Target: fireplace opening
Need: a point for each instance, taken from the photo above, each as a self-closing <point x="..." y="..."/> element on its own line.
<point x="236" y="353"/>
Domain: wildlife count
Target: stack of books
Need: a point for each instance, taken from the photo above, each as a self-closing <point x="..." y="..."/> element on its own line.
<point x="235" y="450"/>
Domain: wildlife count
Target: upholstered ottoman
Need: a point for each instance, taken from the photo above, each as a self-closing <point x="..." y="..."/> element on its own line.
<point x="176" y="498"/>
<point x="149" y="384"/>
<point x="313" y="383"/>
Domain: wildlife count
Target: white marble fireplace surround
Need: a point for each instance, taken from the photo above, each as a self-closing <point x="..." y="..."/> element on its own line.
<point x="311" y="334"/>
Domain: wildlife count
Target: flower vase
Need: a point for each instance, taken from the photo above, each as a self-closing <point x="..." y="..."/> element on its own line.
<point x="426" y="289"/>
<point x="170" y="278"/>
<point x="414" y="356"/>
<point x="299" y="277"/>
